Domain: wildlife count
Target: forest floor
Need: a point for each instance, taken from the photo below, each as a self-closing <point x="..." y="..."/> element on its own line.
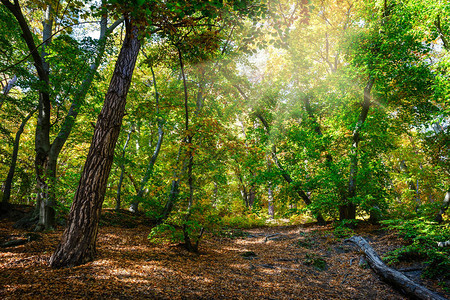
<point x="286" y="262"/>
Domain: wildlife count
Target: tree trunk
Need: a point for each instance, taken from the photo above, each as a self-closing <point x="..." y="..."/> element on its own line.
<point x="392" y="276"/>
<point x="7" y="89"/>
<point x="347" y="211"/>
<point x="12" y="167"/>
<point x="47" y="200"/>
<point x="251" y="196"/>
<point x="444" y="207"/>
<point x="135" y="204"/>
<point x="297" y="189"/>
<point x="270" y="207"/>
<point x="173" y="196"/>
<point x="286" y="175"/>
<point x="78" y="243"/>
<point x="122" y="171"/>
<point x="42" y="138"/>
<point x="47" y="153"/>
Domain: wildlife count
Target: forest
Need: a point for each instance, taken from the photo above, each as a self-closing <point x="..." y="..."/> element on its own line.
<point x="217" y="149"/>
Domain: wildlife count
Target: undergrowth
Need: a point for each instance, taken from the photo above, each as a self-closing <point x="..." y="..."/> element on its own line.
<point x="423" y="239"/>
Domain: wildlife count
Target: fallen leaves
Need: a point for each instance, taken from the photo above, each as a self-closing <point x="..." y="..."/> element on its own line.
<point x="128" y="266"/>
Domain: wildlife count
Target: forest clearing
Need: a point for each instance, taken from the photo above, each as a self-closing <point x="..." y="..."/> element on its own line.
<point x="279" y="262"/>
<point x="216" y="149"/>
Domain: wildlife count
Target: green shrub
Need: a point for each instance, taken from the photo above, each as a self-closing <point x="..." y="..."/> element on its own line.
<point x="201" y="218"/>
<point x="243" y="221"/>
<point x="343" y="229"/>
<point x="316" y="261"/>
<point x="423" y="237"/>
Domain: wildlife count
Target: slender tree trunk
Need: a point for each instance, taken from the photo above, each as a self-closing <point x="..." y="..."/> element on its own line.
<point x="173" y="197"/>
<point x="243" y="190"/>
<point x="12" y="167"/>
<point x="122" y="171"/>
<point x="149" y="171"/>
<point x="286" y="175"/>
<point x="187" y="239"/>
<point x="46" y="152"/>
<point x="42" y="137"/>
<point x="78" y="243"/>
<point x="270" y="206"/>
<point x="444" y="40"/>
<point x="174" y="188"/>
<point x="251" y="196"/>
<point x="7" y="89"/>
<point x="347" y="211"/>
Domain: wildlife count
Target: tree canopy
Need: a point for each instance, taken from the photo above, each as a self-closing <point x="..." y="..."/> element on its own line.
<point x="203" y="114"/>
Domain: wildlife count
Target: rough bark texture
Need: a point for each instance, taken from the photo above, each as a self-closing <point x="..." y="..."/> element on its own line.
<point x="78" y="244"/>
<point x="347" y="211"/>
<point x="392" y="276"/>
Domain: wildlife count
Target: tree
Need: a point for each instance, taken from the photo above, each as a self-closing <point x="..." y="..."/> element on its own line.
<point x="47" y="152"/>
<point x="79" y="239"/>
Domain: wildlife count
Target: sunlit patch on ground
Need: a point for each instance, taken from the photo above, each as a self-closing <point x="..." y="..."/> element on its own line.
<point x="128" y="266"/>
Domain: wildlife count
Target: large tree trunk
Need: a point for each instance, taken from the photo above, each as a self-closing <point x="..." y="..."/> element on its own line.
<point x="347" y="211"/>
<point x="78" y="243"/>
<point x="46" y="200"/>
<point x="392" y="276"/>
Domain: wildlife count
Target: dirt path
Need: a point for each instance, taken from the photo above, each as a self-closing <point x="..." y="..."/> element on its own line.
<point x="269" y="263"/>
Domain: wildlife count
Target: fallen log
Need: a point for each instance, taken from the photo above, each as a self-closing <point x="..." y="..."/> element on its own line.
<point x="14" y="243"/>
<point x="392" y="276"/>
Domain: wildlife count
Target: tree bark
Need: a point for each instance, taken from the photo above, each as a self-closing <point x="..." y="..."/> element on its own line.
<point x="78" y="243"/>
<point x="47" y="211"/>
<point x="444" y="40"/>
<point x="347" y="211"/>
<point x="392" y="276"/>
